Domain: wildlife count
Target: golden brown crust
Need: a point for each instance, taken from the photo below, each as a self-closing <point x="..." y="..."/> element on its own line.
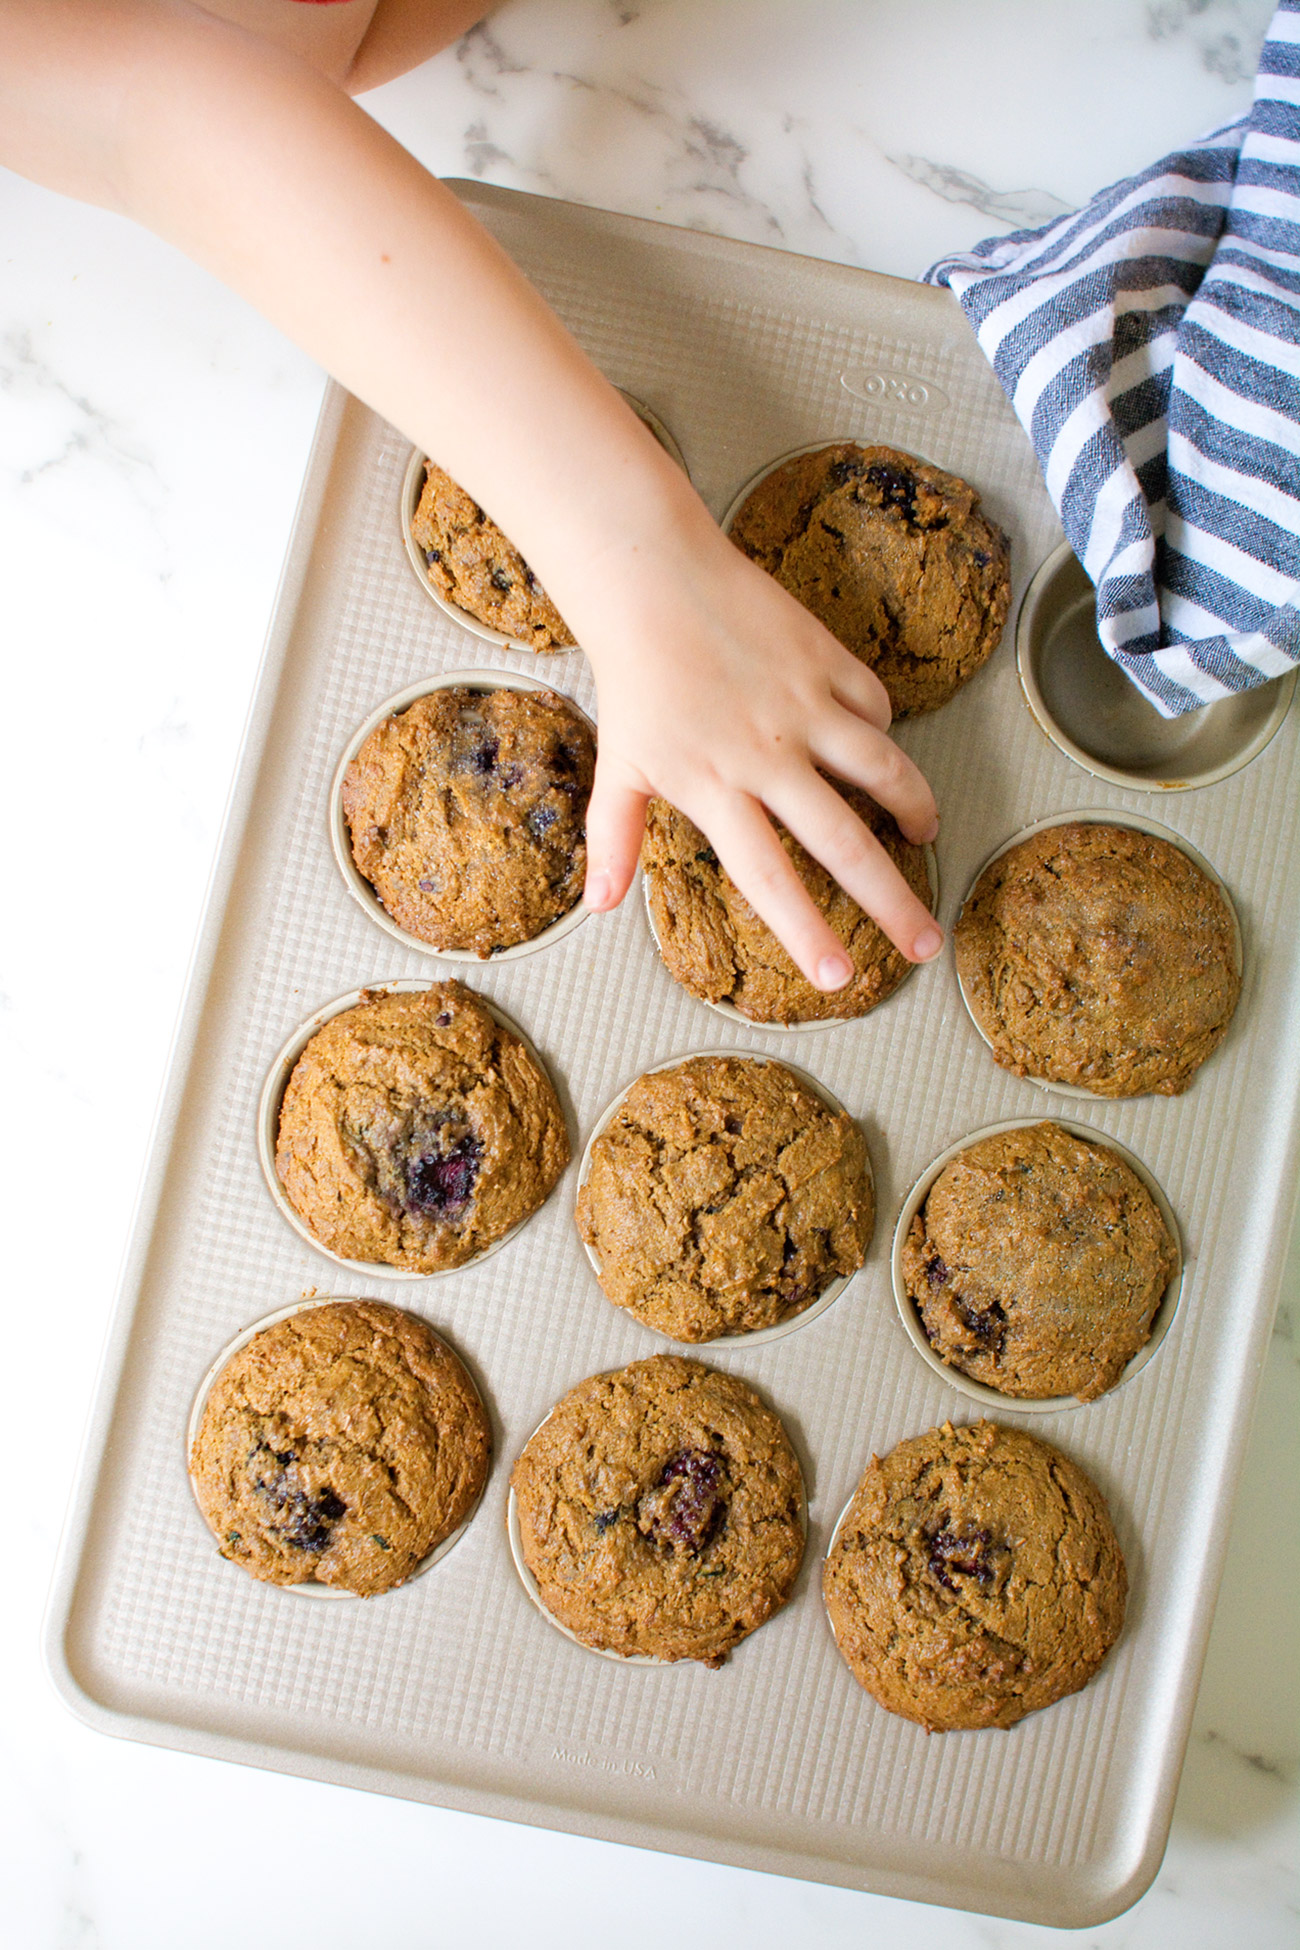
<point x="342" y="1445"/>
<point x="1037" y="1263"/>
<point x="415" y="1131"/>
<point x="467" y="815"/>
<point x="1100" y="956"/>
<point x="724" y="1197"/>
<point x="714" y="944"/>
<point x="974" y="1578"/>
<point x="893" y="556"/>
<point x="660" y="1511"/>
<point x="470" y="562"/>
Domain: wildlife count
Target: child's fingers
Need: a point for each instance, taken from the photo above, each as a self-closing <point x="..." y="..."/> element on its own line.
<point x="745" y="843"/>
<point x="856" y="686"/>
<point x="832" y="832"/>
<point x="867" y="757"/>
<point x="615" y="823"/>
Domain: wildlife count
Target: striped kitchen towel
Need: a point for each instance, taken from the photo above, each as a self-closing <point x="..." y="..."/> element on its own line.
<point x="1150" y="345"/>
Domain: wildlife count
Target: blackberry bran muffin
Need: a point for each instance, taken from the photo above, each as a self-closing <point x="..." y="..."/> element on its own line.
<point x="467" y="815"/>
<point x="893" y="556"/>
<point x="1099" y="956"/>
<point x="723" y="1197"/>
<point x="714" y="944"/>
<point x="661" y="1511"/>
<point x="470" y="563"/>
<point x="415" y="1131"/>
<point x="1037" y="1263"/>
<point x="974" y="1578"/>
<point x="343" y="1444"/>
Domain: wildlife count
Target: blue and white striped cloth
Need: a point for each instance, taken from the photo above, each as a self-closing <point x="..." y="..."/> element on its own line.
<point x="1150" y="345"/>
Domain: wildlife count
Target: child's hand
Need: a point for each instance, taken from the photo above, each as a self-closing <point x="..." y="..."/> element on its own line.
<point x="719" y="692"/>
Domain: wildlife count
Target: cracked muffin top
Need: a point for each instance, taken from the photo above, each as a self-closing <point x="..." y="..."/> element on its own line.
<point x="1037" y="1263"/>
<point x="893" y="556"/>
<point x="723" y="1197"/>
<point x="661" y="1511"/>
<point x="341" y="1445"/>
<point x="415" y="1131"/>
<point x="975" y="1577"/>
<point x="1099" y="956"/>
<point x="470" y="563"/>
<point x="467" y="815"/>
<point x="715" y="945"/>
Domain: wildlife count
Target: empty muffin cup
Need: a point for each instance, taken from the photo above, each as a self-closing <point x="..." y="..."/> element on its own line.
<point x="413" y="487"/>
<point x="268" y="1129"/>
<point x="311" y="1587"/>
<point x="829" y="1293"/>
<point x="1093" y="816"/>
<point x="1098" y="717"/>
<point x="816" y="1023"/>
<point x="341" y="839"/>
<point x="991" y="1399"/>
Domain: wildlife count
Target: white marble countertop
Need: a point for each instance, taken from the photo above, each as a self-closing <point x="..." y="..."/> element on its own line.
<point x="153" y="433"/>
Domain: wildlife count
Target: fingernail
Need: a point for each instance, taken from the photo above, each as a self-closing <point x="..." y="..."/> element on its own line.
<point x="927" y="944"/>
<point x="833" y="971"/>
<point x="597" y="890"/>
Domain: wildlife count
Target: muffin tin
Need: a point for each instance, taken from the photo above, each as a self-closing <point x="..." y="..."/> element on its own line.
<point x="451" y="1690"/>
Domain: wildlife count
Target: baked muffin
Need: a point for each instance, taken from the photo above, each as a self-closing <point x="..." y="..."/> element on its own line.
<point x="467" y="815"/>
<point x="341" y="1445"/>
<point x="974" y="1578"/>
<point x="470" y="563"/>
<point x="893" y="556"/>
<point x="1037" y="1262"/>
<point x="415" y="1131"/>
<point x="661" y="1511"/>
<point x="1100" y="956"/>
<point x="714" y="944"/>
<point x="723" y="1197"/>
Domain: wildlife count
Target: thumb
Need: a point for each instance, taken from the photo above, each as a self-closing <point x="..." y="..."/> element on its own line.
<point x="615" y="823"/>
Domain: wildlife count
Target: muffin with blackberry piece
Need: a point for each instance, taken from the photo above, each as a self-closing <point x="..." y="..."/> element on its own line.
<point x="974" y="1578"/>
<point x="660" y="1511"/>
<point x="415" y="1131"/>
<point x="342" y="1445"/>
<point x="467" y="812"/>
<point x="893" y="555"/>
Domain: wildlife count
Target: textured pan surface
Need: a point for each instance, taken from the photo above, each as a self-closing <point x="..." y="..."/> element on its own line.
<point x="452" y="1690"/>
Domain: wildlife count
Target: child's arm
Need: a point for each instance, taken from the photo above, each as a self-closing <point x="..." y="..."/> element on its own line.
<point x="717" y="689"/>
